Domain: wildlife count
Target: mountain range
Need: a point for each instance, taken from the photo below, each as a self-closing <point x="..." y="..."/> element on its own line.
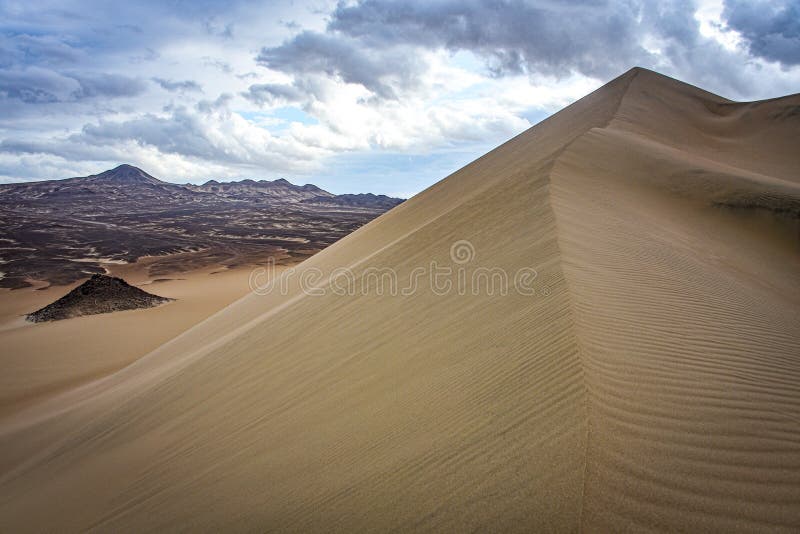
<point x="126" y="182"/>
<point x="60" y="231"/>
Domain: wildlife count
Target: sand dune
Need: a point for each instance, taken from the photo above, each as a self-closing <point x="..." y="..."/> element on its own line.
<point x="652" y="382"/>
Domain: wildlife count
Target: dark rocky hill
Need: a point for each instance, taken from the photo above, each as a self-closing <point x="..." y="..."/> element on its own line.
<point x="99" y="294"/>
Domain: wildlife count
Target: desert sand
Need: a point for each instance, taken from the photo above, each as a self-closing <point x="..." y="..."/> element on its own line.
<point x="44" y="359"/>
<point x="652" y="382"/>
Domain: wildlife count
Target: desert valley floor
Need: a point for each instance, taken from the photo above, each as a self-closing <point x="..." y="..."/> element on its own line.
<point x="651" y="381"/>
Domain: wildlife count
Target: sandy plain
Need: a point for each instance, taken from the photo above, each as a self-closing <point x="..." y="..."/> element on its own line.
<point x="40" y="360"/>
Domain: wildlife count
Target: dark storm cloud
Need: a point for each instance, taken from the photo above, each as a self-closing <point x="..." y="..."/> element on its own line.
<point x="512" y="35"/>
<point x="180" y="86"/>
<point x="344" y="58"/>
<point x="372" y="42"/>
<point x="771" y="29"/>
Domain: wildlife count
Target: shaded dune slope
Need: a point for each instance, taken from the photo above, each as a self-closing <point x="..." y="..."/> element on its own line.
<point x="653" y="380"/>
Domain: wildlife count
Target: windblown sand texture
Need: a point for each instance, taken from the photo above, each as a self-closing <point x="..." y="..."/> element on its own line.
<point x="651" y="383"/>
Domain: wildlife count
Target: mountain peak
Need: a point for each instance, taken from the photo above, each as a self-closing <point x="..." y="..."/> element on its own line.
<point x="126" y="167"/>
<point x="126" y="174"/>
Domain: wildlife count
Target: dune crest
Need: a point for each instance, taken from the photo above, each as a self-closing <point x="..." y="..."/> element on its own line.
<point x="651" y="381"/>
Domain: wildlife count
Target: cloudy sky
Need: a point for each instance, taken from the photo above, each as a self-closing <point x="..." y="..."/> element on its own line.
<point x="385" y="96"/>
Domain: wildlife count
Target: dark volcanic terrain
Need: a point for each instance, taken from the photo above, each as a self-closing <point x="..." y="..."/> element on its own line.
<point x="60" y="231"/>
<point x="99" y="294"/>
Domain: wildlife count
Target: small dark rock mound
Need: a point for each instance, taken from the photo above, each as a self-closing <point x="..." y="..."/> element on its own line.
<point x="99" y="294"/>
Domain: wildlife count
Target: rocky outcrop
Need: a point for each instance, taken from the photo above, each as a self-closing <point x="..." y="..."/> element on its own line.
<point x="99" y="294"/>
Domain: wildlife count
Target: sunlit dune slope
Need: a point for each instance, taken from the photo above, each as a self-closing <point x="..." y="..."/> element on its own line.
<point x="651" y="381"/>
